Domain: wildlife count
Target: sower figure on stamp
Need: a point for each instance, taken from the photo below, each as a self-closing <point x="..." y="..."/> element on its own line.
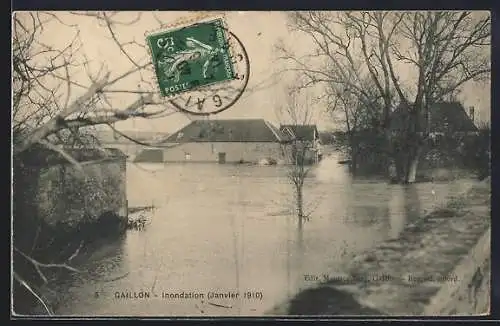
<point x="174" y="66"/>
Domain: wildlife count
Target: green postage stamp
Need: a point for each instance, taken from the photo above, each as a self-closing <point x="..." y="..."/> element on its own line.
<point x="190" y="57"/>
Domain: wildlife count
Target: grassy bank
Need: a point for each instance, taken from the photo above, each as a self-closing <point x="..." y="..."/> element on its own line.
<point x="400" y="276"/>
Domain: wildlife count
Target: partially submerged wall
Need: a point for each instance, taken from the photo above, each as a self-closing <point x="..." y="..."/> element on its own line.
<point x="470" y="295"/>
<point x="234" y="152"/>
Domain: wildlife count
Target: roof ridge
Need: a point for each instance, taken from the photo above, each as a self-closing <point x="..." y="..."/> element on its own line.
<point x="256" y="130"/>
<point x="299" y="124"/>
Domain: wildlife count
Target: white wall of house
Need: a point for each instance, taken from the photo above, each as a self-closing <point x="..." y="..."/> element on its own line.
<point x="235" y="152"/>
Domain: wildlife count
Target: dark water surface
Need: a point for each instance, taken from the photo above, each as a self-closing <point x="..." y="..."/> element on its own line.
<point x="227" y="229"/>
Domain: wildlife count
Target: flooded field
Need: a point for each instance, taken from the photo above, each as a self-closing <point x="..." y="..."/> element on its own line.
<point x="223" y="241"/>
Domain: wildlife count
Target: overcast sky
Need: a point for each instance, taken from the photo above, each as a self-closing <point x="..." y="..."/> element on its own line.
<point x="258" y="31"/>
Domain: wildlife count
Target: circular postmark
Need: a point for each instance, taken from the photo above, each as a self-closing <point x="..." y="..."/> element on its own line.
<point x="202" y="69"/>
<point x="217" y="97"/>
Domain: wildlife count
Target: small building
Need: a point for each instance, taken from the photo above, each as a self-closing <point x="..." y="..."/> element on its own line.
<point x="220" y="141"/>
<point x="301" y="132"/>
<point x="451" y="135"/>
<point x="132" y="144"/>
<point x="308" y="136"/>
<point x="445" y="118"/>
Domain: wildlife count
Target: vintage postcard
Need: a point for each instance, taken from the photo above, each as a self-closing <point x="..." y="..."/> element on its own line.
<point x="239" y="163"/>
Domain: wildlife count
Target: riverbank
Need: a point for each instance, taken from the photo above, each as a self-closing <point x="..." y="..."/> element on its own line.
<point x="89" y="237"/>
<point x="431" y="259"/>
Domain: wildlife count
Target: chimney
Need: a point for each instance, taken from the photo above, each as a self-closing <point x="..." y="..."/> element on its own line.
<point x="471" y="113"/>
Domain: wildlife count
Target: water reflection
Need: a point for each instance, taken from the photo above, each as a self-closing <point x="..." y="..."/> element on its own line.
<point x="369" y="208"/>
<point x="299" y="252"/>
<point x="412" y="205"/>
<point x="405" y="208"/>
<point x="226" y="228"/>
<point x="103" y="263"/>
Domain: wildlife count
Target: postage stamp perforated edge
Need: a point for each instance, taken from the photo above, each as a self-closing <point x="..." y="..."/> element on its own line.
<point x="186" y="22"/>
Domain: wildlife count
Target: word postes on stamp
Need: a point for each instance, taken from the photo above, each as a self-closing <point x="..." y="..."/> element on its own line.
<point x="202" y="68"/>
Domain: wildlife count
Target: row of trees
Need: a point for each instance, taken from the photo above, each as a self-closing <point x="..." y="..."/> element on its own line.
<point x="369" y="62"/>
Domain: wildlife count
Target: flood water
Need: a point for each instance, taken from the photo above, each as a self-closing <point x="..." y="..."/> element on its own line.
<point x="228" y="228"/>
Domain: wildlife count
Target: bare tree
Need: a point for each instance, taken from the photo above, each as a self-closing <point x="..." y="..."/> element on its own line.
<point x="49" y="93"/>
<point x="59" y="94"/>
<point x="422" y="57"/>
<point x="447" y="50"/>
<point x="299" y="153"/>
<point x="355" y="115"/>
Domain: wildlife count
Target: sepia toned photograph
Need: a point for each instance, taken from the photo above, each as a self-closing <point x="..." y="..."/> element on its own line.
<point x="244" y="163"/>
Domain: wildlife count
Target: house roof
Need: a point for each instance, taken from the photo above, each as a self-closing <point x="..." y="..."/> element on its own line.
<point x="229" y="130"/>
<point x="444" y="117"/>
<point x="301" y="132"/>
<point x="110" y="137"/>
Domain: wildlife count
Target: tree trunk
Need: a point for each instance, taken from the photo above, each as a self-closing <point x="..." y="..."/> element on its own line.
<point x="407" y="155"/>
<point x="412" y="164"/>
<point x="406" y="159"/>
<point x="398" y="156"/>
<point x="400" y="167"/>
<point x="389" y="161"/>
<point x="407" y="150"/>
<point x="354" y="163"/>
<point x="353" y="146"/>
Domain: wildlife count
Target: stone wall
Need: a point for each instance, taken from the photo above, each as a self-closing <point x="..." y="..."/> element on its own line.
<point x="471" y="294"/>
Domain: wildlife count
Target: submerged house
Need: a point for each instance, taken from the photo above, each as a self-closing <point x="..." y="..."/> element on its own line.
<point x="308" y="137"/>
<point x="132" y="145"/>
<point x="453" y="136"/>
<point x="445" y="118"/>
<point x="234" y="141"/>
<point x="222" y="141"/>
<point x="301" y="132"/>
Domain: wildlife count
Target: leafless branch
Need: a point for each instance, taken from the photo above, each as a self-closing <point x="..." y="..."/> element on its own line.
<point x="62" y="152"/>
<point x="445" y="50"/>
<point x="30" y="289"/>
<point x="38" y="265"/>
